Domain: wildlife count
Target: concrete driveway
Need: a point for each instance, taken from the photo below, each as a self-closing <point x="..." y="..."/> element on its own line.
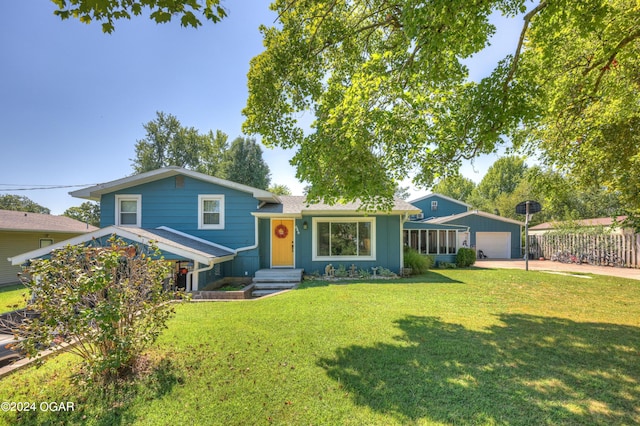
<point x="548" y="265"/>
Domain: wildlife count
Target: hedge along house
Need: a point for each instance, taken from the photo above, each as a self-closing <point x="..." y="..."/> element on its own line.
<point x="22" y="231"/>
<point x="215" y="228"/>
<point x="444" y="225"/>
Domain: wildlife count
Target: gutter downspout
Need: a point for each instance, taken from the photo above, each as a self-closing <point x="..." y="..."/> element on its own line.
<point x="255" y="238"/>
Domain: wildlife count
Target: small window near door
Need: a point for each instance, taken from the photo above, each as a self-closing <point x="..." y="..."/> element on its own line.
<point x="45" y="242"/>
<point x="128" y="210"/>
<point x="211" y="212"/>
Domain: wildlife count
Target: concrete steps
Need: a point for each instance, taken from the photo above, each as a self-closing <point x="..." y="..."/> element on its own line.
<point x="270" y="281"/>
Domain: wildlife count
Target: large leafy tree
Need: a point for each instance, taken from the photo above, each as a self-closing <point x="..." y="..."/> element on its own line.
<point x="169" y="143"/>
<point x="243" y="163"/>
<point x="455" y="186"/>
<point x="107" y="12"/>
<point x="388" y="94"/>
<point x="87" y="212"/>
<point x="21" y="203"/>
<point x="501" y="178"/>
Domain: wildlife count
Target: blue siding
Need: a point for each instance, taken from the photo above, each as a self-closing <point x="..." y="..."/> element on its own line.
<point x="388" y="246"/>
<point x="484" y="224"/>
<point x="163" y="204"/>
<point x="445" y="207"/>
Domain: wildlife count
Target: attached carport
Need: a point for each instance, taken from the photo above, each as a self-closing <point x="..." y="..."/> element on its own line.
<point x="174" y="246"/>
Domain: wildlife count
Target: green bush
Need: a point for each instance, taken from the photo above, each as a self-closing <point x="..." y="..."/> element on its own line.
<point x="465" y="257"/>
<point x="416" y="261"/>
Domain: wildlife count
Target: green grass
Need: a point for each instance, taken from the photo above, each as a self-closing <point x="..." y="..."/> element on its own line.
<point x="471" y="346"/>
<point x="12" y="297"/>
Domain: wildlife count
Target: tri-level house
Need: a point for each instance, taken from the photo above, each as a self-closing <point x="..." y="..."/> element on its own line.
<point x="213" y="228"/>
<point x="216" y="228"/>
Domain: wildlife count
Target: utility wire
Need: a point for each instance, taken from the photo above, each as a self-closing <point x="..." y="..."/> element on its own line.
<point x="32" y="187"/>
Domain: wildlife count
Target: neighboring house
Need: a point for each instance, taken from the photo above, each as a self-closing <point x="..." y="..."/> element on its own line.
<point x="445" y="224"/>
<point x="24" y="231"/>
<point x="612" y="224"/>
<point x="217" y="228"/>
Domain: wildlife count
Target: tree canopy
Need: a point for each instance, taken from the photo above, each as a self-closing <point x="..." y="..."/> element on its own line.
<point x="387" y="94"/>
<point x="107" y="11"/>
<point x="86" y="212"/>
<point x="243" y="163"/>
<point x="21" y="204"/>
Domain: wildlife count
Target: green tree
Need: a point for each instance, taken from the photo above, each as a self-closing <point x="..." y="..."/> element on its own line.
<point x="21" y="203"/>
<point x="168" y="143"/>
<point x="189" y="12"/>
<point x="110" y="300"/>
<point x="388" y="94"/>
<point x="279" y="189"/>
<point x="243" y="163"/>
<point x="86" y="212"/>
<point x="455" y="186"/>
<point x="501" y="178"/>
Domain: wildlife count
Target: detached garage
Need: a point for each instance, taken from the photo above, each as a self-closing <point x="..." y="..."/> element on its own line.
<point x="498" y="237"/>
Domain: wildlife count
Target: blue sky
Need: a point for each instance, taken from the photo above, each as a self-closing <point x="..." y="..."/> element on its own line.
<point x="73" y="100"/>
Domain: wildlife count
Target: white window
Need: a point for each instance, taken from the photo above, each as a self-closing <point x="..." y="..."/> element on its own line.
<point x="45" y="242"/>
<point x="344" y="239"/>
<point x="434" y="206"/>
<point x="432" y="241"/>
<point x="210" y="211"/>
<point x="129" y="210"/>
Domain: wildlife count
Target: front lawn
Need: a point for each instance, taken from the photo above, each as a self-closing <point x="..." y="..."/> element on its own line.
<point x="450" y="347"/>
<point x="12" y="297"/>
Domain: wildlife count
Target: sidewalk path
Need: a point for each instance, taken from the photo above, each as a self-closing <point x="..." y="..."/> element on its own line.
<point x="548" y="265"/>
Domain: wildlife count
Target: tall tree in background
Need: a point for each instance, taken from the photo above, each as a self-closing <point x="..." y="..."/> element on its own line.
<point x="388" y="94"/>
<point x="21" y="203"/>
<point x="455" y="186"/>
<point x="278" y="189"/>
<point x="87" y="212"/>
<point x="168" y="143"/>
<point x="501" y="178"/>
<point x="243" y="164"/>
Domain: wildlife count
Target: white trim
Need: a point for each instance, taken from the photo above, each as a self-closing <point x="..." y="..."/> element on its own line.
<point x="340" y="219"/>
<point x="210" y="197"/>
<point x="445" y="219"/>
<point x="94" y="192"/>
<point x="129" y="197"/>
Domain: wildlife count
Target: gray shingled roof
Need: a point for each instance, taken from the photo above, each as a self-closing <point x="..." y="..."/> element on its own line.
<point x="296" y="204"/>
<point x="184" y="242"/>
<point x="11" y="220"/>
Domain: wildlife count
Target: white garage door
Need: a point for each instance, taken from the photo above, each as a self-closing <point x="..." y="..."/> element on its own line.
<point x="495" y="245"/>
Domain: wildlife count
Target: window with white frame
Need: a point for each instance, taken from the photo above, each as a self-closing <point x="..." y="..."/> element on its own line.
<point x="129" y="210"/>
<point x="46" y="242"/>
<point x="344" y="239"/>
<point x="211" y="212"/>
<point x="432" y="241"/>
<point x="434" y="206"/>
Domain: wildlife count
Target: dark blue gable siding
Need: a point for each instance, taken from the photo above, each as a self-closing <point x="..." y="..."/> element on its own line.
<point x="445" y="207"/>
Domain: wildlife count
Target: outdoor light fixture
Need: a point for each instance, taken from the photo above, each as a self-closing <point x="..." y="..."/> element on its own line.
<point x="305" y="225"/>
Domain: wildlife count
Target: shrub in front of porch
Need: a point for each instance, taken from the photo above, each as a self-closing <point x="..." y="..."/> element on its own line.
<point x="418" y="263"/>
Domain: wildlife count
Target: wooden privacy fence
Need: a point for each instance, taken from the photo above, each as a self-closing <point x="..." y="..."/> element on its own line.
<point x="601" y="249"/>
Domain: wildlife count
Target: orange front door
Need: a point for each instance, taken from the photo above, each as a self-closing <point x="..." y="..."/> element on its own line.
<point x="282" y="231"/>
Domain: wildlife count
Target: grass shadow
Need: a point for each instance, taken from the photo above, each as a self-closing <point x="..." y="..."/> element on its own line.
<point x="528" y="370"/>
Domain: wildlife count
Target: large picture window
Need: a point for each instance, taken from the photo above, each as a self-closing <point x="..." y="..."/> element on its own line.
<point x="211" y="212"/>
<point x="128" y="210"/>
<point x="344" y="239"/>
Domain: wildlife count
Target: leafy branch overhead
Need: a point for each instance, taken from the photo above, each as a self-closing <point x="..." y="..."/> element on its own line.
<point x="373" y="91"/>
<point x="190" y="12"/>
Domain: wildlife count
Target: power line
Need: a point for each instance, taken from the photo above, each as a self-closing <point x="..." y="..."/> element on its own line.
<point x="32" y="187"/>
